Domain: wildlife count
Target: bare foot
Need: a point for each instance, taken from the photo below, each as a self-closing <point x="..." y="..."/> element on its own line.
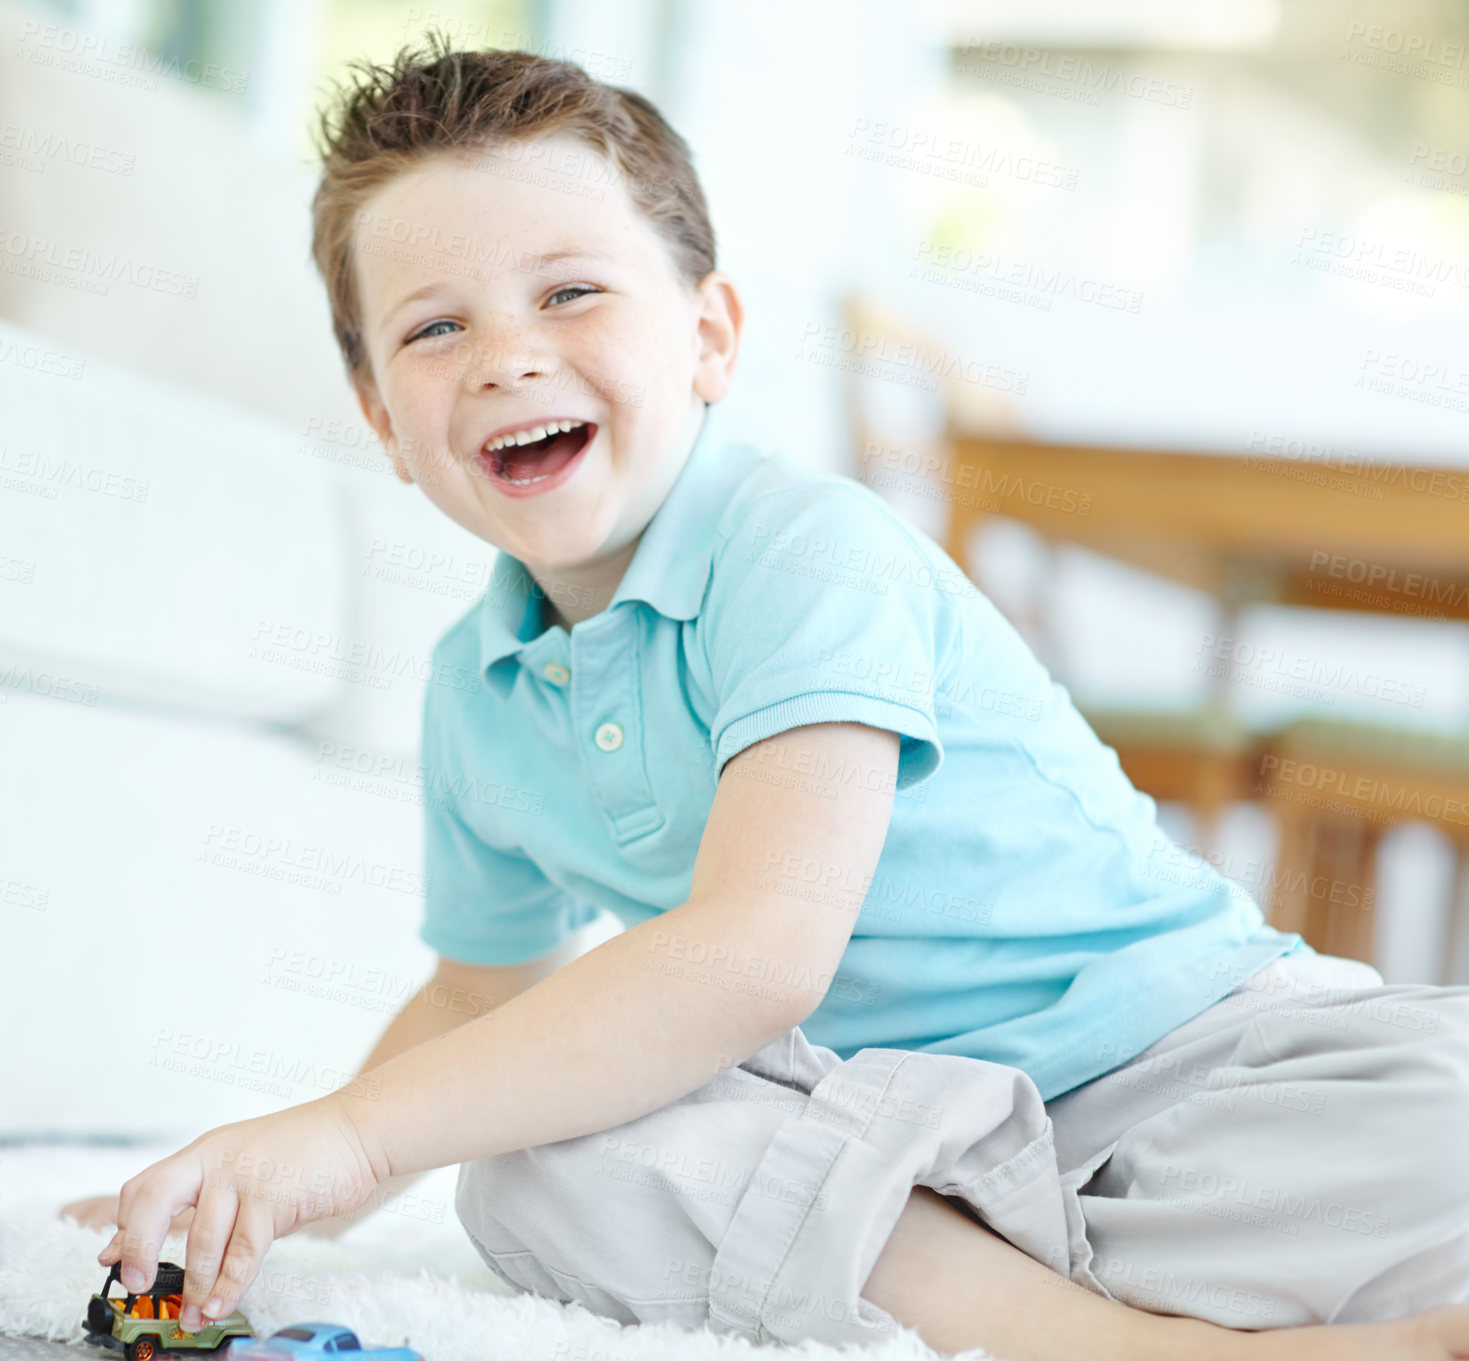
<point x="1435" y="1335"/>
<point x="100" y="1212"/>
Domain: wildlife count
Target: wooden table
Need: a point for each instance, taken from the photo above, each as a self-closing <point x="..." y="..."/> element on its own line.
<point x="1260" y="528"/>
<point x="1268" y="525"/>
<point x="1386" y="538"/>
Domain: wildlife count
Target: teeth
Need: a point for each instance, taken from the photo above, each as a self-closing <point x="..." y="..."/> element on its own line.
<point x="530" y="436"/>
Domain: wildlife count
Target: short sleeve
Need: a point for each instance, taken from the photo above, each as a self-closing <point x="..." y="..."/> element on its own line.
<point x="482" y="904"/>
<point x="825" y="607"/>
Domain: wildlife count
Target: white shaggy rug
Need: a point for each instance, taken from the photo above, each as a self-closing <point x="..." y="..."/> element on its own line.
<point x="405" y="1272"/>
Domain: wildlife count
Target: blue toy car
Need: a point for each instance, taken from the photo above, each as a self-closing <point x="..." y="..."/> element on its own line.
<point x="313" y="1340"/>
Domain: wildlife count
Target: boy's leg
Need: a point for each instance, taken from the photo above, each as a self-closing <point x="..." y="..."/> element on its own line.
<point x="789" y="1199"/>
<point x="1293" y="1156"/>
<point x="761" y="1203"/>
<point x="961" y="1286"/>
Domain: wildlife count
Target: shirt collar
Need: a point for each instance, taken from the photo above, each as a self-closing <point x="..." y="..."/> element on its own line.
<point x="670" y="566"/>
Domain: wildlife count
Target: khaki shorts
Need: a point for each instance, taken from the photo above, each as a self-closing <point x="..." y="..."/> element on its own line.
<point x="1294" y="1154"/>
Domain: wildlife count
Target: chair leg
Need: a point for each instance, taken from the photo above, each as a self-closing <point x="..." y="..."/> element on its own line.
<point x="962" y="517"/>
<point x="1214" y="785"/>
<point x="1288" y="908"/>
<point x="1343" y="887"/>
<point x="1455" y="964"/>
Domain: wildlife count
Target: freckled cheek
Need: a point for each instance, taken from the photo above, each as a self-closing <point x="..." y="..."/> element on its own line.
<point x="424" y="407"/>
<point x="615" y="357"/>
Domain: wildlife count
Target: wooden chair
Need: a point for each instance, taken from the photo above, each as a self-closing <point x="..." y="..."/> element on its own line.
<point x="1334" y="789"/>
<point x="1197" y="757"/>
<point x="892" y="349"/>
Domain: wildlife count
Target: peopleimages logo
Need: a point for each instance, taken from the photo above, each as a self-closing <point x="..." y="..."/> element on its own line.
<point x="122" y="63"/>
<point x="1065" y="75"/>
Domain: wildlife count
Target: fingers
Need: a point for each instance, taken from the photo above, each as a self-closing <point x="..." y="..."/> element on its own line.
<point x="138" y="1254"/>
<point x="252" y="1234"/>
<point x="209" y="1235"/>
<point x="146" y="1207"/>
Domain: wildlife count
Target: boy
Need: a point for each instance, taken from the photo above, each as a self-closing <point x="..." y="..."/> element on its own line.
<point x="886" y="895"/>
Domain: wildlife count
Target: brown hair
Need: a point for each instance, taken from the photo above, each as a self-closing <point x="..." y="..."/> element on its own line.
<point x="438" y="100"/>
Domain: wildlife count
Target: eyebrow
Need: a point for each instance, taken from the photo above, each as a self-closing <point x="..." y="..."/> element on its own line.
<point x="537" y="260"/>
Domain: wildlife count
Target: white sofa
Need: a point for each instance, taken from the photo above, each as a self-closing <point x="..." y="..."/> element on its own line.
<point x="211" y="590"/>
<point x="213" y="634"/>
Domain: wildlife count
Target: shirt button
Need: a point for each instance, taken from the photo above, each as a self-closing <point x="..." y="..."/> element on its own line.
<point x="556" y="673"/>
<point x="609" y="737"/>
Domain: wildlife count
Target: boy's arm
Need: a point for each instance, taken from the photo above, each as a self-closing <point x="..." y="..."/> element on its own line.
<point x="632" y="1025"/>
<point x="456" y="993"/>
<point x="655" y="1012"/>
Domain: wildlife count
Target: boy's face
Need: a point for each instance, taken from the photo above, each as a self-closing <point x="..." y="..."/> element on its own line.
<point x="499" y="337"/>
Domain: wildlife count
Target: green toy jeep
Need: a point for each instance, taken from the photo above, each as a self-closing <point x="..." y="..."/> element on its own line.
<point x="145" y="1326"/>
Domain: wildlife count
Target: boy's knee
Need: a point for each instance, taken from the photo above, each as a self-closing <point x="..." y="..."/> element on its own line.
<point x="1431" y="1103"/>
<point x="486" y="1185"/>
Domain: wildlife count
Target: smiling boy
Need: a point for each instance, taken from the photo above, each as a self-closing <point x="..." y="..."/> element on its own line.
<point x="579" y="314"/>
<point x="885" y="894"/>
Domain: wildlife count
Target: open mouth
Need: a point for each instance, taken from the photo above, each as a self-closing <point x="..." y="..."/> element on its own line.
<point x="524" y="465"/>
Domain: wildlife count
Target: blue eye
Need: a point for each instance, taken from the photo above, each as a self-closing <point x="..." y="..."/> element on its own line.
<point x="427" y="330"/>
<point x="578" y="289"/>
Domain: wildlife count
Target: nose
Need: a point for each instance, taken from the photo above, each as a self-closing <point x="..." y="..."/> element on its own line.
<point x="503" y="358"/>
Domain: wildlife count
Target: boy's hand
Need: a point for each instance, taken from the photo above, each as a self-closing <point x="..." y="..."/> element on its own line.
<point x="250" y="1183"/>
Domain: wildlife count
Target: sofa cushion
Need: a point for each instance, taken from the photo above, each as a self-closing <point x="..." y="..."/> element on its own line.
<point x="163" y="547"/>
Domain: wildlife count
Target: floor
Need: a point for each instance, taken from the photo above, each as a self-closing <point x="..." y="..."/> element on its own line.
<point x="33" y="1349"/>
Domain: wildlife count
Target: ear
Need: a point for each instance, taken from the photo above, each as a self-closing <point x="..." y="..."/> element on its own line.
<point x="382" y="425"/>
<point x="717" y="336"/>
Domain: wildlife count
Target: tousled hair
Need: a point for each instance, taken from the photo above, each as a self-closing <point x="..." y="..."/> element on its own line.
<point x="386" y="119"/>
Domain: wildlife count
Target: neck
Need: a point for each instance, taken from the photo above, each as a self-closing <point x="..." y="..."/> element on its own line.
<point x="580" y="592"/>
<point x="577" y="594"/>
<point x="550" y="615"/>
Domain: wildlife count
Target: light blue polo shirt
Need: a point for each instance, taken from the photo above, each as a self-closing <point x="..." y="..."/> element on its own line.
<point x="1026" y="908"/>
